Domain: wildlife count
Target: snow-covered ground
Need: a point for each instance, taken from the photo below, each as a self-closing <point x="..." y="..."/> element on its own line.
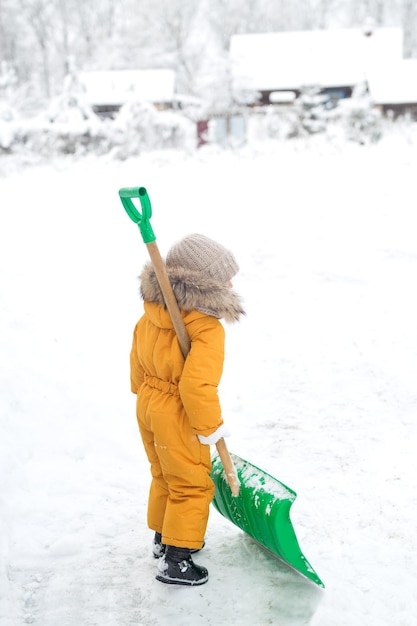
<point x="319" y="387"/>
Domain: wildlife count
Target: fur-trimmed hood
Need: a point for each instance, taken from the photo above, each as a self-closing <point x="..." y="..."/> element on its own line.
<point x="193" y="292"/>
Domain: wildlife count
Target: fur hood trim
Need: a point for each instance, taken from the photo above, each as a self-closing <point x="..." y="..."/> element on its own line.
<point x="193" y="293"/>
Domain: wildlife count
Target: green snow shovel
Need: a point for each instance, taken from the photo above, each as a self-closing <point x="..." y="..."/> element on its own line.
<point x="247" y="496"/>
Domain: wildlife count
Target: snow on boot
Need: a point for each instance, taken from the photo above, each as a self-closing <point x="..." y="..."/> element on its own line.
<point x="158" y="548"/>
<point x="176" y="567"/>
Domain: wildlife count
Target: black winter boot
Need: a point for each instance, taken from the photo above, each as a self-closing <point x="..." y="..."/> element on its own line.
<point x="158" y="548"/>
<point x="176" y="567"/>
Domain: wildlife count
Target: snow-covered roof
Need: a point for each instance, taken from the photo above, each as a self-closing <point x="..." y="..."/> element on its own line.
<point x="328" y="58"/>
<point x="395" y="83"/>
<point x="119" y="86"/>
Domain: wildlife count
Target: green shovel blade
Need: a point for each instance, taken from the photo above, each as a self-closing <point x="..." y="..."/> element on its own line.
<point x="262" y="510"/>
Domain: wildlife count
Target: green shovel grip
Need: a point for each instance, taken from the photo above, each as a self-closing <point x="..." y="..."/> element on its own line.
<point x="141" y="219"/>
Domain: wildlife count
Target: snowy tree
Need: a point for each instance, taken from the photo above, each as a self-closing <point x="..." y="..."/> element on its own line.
<point x="40" y="18"/>
<point x="191" y="37"/>
<point x="360" y="120"/>
<point x="410" y="28"/>
<point x="8" y="79"/>
<point x="310" y="110"/>
<point x="139" y="127"/>
<point x="172" y="21"/>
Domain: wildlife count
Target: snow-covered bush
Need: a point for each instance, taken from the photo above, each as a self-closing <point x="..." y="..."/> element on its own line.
<point x="311" y="114"/>
<point x="355" y="118"/>
<point x="139" y="126"/>
<point x="279" y="122"/>
<point x="361" y="122"/>
<point x="403" y="128"/>
<point x="359" y="119"/>
<point x="68" y="126"/>
<point x="283" y="122"/>
<point x="306" y="116"/>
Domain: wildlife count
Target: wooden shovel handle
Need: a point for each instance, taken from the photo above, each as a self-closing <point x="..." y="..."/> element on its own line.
<point x="169" y="297"/>
<point x="229" y="468"/>
<point x="185" y="345"/>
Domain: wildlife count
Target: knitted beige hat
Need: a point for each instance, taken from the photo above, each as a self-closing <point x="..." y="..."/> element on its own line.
<point x="204" y="256"/>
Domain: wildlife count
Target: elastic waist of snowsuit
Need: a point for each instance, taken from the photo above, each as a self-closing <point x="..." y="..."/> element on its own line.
<point x="161" y="385"/>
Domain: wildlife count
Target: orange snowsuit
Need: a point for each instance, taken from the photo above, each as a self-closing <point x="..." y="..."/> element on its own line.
<point x="178" y="400"/>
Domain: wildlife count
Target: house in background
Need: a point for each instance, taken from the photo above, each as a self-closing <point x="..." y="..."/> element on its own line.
<point x="393" y="88"/>
<point x="274" y="68"/>
<point x="107" y="91"/>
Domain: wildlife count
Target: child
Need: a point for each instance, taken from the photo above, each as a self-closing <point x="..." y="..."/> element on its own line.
<point x="178" y="408"/>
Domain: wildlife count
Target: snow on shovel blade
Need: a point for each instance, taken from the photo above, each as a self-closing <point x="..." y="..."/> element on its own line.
<point x="262" y="510"/>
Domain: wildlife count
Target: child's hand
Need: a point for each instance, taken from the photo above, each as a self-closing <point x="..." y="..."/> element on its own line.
<point x="222" y="431"/>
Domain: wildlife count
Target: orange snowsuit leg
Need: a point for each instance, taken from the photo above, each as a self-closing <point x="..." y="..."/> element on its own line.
<point x="181" y="489"/>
